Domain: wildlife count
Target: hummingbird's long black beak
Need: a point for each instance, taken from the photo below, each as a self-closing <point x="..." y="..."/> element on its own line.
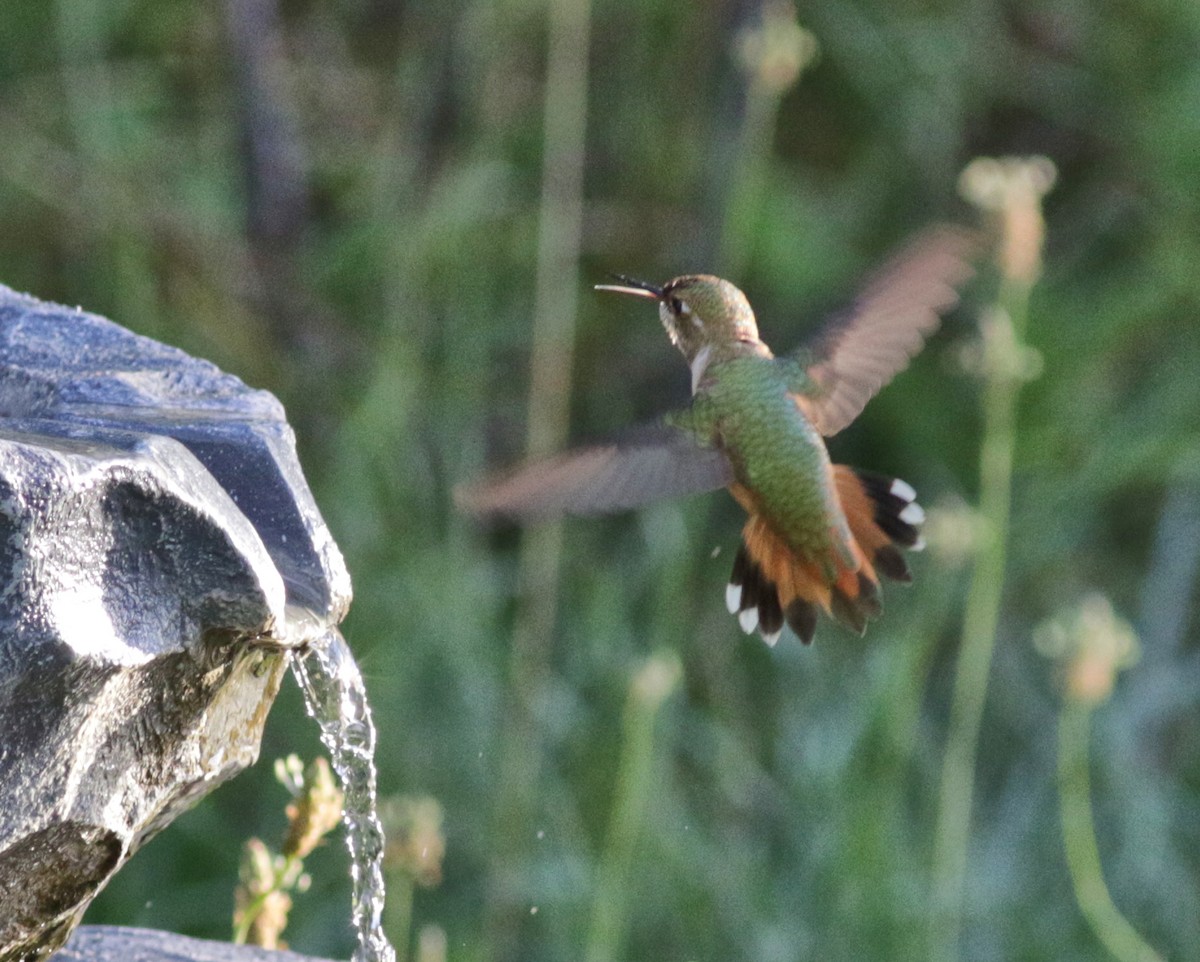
<point x="630" y="285"/>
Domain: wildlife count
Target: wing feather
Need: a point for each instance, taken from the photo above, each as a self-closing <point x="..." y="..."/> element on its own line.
<point x="651" y="464"/>
<point x="862" y="349"/>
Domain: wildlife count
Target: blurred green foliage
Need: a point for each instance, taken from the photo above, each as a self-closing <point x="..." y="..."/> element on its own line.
<point x="340" y="201"/>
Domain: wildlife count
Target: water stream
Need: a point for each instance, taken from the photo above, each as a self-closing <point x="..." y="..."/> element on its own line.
<point x="336" y="697"/>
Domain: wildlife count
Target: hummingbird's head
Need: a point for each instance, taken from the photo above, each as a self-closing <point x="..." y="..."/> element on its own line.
<point x="699" y="312"/>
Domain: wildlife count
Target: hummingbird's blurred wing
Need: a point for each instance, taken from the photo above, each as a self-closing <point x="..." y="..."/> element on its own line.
<point x="865" y="346"/>
<point x="650" y="464"/>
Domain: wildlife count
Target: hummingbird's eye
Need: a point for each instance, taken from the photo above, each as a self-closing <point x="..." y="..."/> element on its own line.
<point x="683" y="310"/>
<point x="680" y="307"/>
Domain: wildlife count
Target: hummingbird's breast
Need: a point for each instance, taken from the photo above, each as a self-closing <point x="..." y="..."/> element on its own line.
<point x="778" y="455"/>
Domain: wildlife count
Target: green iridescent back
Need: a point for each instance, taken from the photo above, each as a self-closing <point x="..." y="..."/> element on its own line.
<point x="775" y="451"/>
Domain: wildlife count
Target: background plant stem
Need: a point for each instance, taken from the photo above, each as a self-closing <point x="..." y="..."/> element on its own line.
<point x="610" y="906"/>
<point x="555" y="308"/>
<point x="1079" y="840"/>
<point x="397" y="914"/>
<point x="1003" y="328"/>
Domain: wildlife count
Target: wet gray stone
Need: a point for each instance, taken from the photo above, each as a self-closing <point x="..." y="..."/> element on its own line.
<point x="103" y="943"/>
<point x="159" y="551"/>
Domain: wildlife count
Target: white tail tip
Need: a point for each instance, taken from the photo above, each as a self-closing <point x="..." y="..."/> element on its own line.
<point x="733" y="598"/>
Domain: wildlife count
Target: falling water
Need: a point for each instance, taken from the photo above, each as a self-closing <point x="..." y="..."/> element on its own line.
<point x="336" y="697"/>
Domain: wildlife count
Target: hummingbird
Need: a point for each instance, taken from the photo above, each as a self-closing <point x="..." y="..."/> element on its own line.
<point x="818" y="535"/>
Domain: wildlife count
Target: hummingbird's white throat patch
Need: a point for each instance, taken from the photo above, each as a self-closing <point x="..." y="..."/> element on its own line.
<point x="700" y="365"/>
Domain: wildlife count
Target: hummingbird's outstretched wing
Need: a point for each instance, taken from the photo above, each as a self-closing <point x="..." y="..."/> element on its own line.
<point x="865" y="346"/>
<point x="649" y="464"/>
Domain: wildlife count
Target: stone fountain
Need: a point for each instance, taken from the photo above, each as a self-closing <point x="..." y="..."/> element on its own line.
<point x="160" y="555"/>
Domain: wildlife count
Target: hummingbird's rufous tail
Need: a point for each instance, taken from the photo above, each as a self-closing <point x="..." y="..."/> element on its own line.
<point x="771" y="584"/>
